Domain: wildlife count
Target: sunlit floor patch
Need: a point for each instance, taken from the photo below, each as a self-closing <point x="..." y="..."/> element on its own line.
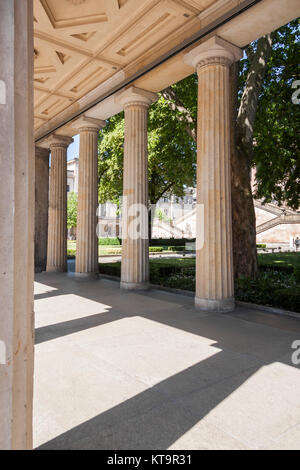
<point x="134" y="371"/>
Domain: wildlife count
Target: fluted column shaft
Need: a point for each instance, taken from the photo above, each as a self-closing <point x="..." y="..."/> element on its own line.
<point x="57" y="224"/>
<point x="214" y="278"/>
<point x="41" y="208"/>
<point x="87" y="240"/>
<point x="214" y="261"/>
<point x="135" y="251"/>
<point x="135" y="243"/>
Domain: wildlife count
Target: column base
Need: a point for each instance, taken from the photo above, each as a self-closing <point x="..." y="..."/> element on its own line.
<point x="134" y="285"/>
<point x="209" y="305"/>
<point x="55" y="269"/>
<point x="87" y="276"/>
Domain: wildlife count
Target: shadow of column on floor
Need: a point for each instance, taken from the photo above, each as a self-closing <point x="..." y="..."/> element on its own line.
<point x="160" y="415"/>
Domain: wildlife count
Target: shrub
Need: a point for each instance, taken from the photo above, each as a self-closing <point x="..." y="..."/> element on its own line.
<point x="176" y="248"/>
<point x="112" y="269"/>
<point x="261" y="245"/>
<point x="284" y="268"/>
<point x="71" y="253"/>
<point x="170" y="241"/>
<point x="109" y="241"/>
<point x="297" y="274"/>
<point x="288" y="298"/>
<point x="156" y="249"/>
<point x="273" y="287"/>
<point x="112" y="251"/>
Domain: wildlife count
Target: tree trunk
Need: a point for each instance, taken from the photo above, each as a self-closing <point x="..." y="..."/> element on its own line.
<point x="243" y="213"/>
<point x="242" y="124"/>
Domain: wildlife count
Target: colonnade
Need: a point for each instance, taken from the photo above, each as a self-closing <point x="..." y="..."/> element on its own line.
<point x="214" y="268"/>
<point x="214" y="272"/>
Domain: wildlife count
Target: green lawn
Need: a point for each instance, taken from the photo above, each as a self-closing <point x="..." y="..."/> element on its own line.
<point x="117" y="249"/>
<point x="264" y="259"/>
<point x="279" y="259"/>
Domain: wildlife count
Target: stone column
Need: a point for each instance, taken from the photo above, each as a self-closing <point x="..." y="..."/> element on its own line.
<point x="41" y="208"/>
<point x="87" y="240"/>
<point x="16" y="224"/>
<point x="57" y="221"/>
<point x="135" y="244"/>
<point x="214" y="265"/>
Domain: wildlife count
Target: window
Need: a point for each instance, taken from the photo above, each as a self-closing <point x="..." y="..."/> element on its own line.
<point x="68" y="188"/>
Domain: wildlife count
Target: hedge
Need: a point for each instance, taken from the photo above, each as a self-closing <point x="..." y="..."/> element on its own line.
<point x="71" y="253"/>
<point x="285" y="268"/>
<point x="288" y="298"/>
<point x="176" y="248"/>
<point x="109" y="241"/>
<point x="276" y="288"/>
<point x="171" y="241"/>
<point x="158" y="271"/>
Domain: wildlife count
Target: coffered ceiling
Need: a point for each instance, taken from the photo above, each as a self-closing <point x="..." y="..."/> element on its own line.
<point x="79" y="44"/>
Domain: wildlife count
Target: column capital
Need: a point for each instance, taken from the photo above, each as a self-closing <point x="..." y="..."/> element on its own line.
<point x="135" y="97"/>
<point x="41" y="152"/>
<point x="58" y="141"/>
<point x="85" y="123"/>
<point x="213" y="51"/>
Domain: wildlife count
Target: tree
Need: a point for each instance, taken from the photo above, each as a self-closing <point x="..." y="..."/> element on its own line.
<point x="277" y="124"/>
<point x="265" y="73"/>
<point x="243" y="111"/>
<point x="171" y="156"/>
<point x="72" y="210"/>
<point x="261" y="111"/>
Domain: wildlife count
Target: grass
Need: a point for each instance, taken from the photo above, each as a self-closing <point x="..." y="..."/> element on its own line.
<point x="285" y="260"/>
<point x="279" y="259"/>
<point x="117" y="249"/>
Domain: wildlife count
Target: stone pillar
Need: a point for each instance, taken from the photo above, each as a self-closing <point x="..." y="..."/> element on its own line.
<point x="135" y="244"/>
<point x="41" y="208"/>
<point x="214" y="265"/>
<point x="16" y="224"/>
<point x="87" y="240"/>
<point x="57" y="221"/>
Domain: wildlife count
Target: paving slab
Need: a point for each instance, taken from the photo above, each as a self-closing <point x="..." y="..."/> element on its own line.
<point x="145" y="370"/>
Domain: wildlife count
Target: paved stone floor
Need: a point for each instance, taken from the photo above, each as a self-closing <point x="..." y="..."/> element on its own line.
<point x="118" y="370"/>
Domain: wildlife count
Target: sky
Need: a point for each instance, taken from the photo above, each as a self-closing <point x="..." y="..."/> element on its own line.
<point x="73" y="149"/>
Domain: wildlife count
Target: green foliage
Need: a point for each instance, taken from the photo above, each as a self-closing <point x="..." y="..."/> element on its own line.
<point x="72" y="204"/>
<point x="160" y="215"/>
<point x="297" y="274"/>
<point x="261" y="245"/>
<point x="278" y="260"/>
<point x="71" y="253"/>
<point x="170" y="241"/>
<point x="288" y="298"/>
<point x="276" y="287"/>
<point x="276" y="131"/>
<point x="176" y="248"/>
<point x="171" y="151"/>
<point x="109" y="241"/>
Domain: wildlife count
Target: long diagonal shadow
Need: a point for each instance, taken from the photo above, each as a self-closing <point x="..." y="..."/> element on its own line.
<point x="160" y="415"/>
